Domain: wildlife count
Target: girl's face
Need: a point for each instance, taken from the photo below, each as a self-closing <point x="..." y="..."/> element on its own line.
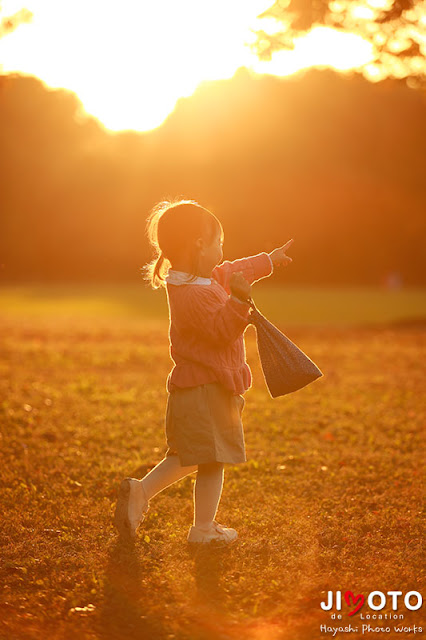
<point x="212" y="254"/>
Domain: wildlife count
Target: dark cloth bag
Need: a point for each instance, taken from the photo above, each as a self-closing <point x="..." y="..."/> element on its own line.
<point x="285" y="367"/>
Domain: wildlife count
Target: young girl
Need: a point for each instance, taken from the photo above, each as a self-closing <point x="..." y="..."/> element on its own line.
<point x="208" y="315"/>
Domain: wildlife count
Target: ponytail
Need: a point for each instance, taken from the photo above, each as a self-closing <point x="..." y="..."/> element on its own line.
<point x="155" y="271"/>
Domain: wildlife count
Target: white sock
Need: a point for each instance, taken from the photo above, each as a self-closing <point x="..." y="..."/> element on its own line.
<point x="207" y="492"/>
<point x="165" y="473"/>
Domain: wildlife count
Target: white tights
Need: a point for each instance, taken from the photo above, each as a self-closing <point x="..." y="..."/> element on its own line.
<point x="207" y="488"/>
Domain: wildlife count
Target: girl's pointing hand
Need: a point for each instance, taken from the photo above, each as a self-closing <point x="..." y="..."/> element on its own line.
<point x="278" y="255"/>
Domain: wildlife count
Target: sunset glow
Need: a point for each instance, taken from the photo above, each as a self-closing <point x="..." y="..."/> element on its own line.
<point x="129" y="63"/>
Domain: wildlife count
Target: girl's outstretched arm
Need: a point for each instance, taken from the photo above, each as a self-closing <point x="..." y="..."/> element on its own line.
<point x="253" y="268"/>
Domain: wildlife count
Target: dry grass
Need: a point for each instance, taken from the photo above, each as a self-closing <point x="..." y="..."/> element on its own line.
<point x="330" y="497"/>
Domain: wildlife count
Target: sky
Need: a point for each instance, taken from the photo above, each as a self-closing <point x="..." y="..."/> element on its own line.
<point x="130" y="62"/>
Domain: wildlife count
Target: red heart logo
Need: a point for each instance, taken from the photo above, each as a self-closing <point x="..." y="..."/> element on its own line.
<point x="348" y="596"/>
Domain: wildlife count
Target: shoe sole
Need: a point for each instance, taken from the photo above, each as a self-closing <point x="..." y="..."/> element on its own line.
<point x="121" y="517"/>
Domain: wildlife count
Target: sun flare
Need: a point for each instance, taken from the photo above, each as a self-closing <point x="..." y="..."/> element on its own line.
<point x="129" y="63"/>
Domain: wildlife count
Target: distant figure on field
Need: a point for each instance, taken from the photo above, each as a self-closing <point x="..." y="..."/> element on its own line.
<point x="393" y="281"/>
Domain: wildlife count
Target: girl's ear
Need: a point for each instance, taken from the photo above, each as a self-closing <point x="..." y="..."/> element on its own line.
<point x="200" y="243"/>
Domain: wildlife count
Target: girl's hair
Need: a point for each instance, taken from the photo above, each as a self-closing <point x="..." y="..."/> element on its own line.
<point x="172" y="228"/>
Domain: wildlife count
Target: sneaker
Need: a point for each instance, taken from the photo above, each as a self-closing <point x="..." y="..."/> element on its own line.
<point x="216" y="533"/>
<point x="131" y="508"/>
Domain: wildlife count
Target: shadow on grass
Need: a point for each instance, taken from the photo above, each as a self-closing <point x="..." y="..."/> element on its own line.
<point x="210" y="617"/>
<point x="209" y="566"/>
<point x="136" y="598"/>
<point x="124" y="613"/>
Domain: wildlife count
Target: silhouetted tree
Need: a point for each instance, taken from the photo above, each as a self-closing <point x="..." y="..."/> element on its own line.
<point x="397" y="31"/>
<point x="342" y="174"/>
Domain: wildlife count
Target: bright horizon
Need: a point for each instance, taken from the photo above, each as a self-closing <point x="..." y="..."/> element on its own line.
<point x="129" y="69"/>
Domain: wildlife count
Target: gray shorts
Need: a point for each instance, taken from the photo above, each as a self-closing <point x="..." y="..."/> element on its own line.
<point x="203" y="424"/>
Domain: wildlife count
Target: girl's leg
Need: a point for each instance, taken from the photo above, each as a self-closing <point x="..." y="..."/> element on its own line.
<point x="165" y="473"/>
<point x="207" y="492"/>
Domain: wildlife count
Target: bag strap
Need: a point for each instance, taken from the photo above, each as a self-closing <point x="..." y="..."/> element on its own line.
<point x="253" y="309"/>
<point x="251" y="303"/>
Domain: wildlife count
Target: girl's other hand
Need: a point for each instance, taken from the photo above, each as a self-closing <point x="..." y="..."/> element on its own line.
<point x="239" y="286"/>
<point x="278" y="255"/>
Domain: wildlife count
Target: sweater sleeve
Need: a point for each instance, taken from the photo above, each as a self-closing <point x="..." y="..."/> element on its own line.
<point x="253" y="268"/>
<point x="217" y="322"/>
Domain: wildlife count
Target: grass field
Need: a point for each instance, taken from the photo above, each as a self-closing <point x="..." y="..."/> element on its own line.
<point x="330" y="498"/>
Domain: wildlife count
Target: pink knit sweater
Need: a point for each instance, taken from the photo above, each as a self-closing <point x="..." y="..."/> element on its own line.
<point x="207" y="326"/>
